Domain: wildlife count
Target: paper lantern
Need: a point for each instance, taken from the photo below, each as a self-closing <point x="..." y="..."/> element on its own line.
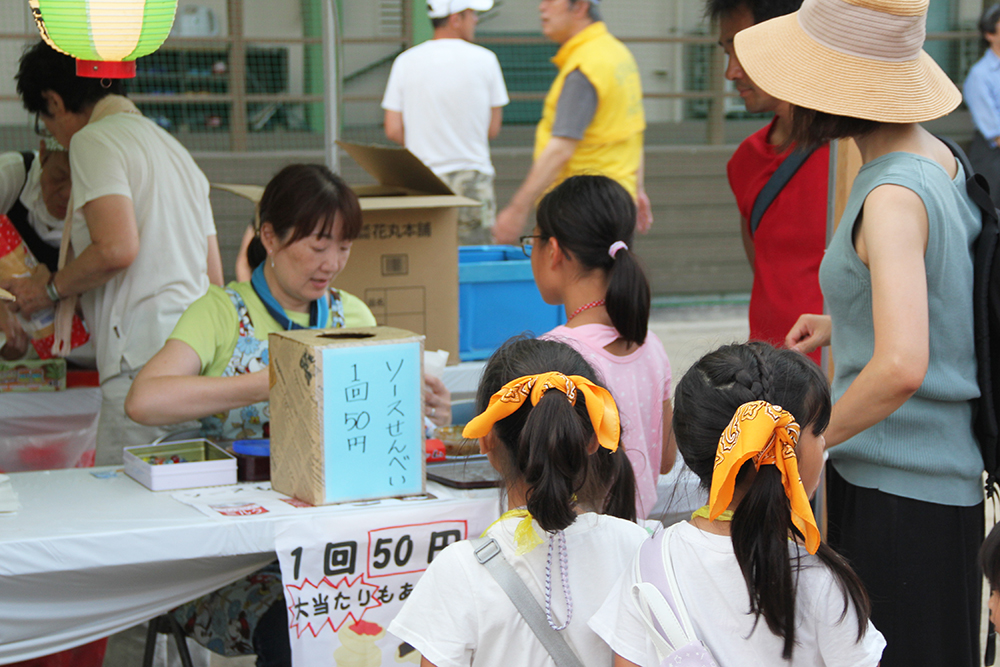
<point x="105" y="36"/>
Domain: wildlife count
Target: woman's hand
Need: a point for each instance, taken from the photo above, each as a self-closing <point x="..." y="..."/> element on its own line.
<point x="30" y="292"/>
<point x="16" y="345"/>
<point x="808" y="333"/>
<point x="437" y="401"/>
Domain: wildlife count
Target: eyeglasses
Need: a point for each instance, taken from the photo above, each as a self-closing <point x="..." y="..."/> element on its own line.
<point x="528" y="242"/>
<point x="40" y="128"/>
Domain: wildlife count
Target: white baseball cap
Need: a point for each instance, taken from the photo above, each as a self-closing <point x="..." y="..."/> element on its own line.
<point x="439" y="9"/>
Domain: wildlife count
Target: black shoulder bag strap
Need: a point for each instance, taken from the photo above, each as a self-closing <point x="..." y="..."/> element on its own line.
<point x="18" y="215"/>
<point x="779" y="179"/>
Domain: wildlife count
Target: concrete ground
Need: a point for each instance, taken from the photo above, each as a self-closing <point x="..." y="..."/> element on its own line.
<point x="688" y="330"/>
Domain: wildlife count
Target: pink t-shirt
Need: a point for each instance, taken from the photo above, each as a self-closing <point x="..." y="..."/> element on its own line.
<point x="640" y="383"/>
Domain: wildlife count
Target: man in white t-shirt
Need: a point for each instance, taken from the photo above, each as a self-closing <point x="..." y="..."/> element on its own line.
<point x="444" y="101"/>
<point x="142" y="237"/>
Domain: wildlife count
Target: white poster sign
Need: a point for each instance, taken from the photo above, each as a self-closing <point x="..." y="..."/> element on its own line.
<point x="346" y="577"/>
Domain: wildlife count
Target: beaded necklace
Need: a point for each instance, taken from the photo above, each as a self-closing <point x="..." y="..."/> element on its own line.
<point x="526" y="539"/>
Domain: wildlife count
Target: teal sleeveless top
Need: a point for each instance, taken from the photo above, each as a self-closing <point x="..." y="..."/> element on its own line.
<point x="925" y="450"/>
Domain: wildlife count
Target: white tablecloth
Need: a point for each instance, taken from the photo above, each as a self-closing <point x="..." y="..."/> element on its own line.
<point x="86" y="557"/>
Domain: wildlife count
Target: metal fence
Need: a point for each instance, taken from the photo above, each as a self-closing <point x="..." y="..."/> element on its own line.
<point x="242" y="90"/>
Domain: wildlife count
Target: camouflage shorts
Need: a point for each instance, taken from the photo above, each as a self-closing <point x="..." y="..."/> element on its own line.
<point x="474" y="223"/>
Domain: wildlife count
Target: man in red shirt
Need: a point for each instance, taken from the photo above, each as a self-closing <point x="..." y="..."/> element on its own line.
<point x="786" y="245"/>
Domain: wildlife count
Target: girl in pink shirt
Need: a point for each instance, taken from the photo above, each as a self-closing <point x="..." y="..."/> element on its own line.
<point x="580" y="258"/>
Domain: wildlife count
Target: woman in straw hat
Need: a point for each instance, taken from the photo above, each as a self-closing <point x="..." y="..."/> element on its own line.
<point x="904" y="492"/>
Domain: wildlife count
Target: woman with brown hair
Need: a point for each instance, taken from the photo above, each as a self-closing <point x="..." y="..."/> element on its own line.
<point x="904" y="492"/>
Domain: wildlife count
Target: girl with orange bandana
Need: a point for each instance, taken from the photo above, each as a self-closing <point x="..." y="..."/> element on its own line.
<point x="553" y="434"/>
<point x="757" y="583"/>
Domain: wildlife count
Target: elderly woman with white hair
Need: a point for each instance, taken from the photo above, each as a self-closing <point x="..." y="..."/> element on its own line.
<point x="904" y="492"/>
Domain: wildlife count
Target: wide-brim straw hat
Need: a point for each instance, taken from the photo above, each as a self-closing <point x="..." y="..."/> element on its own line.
<point x="857" y="58"/>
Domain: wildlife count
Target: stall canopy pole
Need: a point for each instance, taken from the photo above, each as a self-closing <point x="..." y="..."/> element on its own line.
<point x="331" y="67"/>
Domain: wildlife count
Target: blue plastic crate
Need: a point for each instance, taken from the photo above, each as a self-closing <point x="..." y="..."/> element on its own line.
<point x="497" y="299"/>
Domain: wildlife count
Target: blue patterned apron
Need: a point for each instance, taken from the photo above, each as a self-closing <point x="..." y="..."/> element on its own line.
<point x="250" y="355"/>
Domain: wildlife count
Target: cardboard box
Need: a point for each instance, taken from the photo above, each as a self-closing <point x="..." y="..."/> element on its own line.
<point x="346" y="414"/>
<point x="200" y="463"/>
<point x="404" y="265"/>
<point x="33" y="375"/>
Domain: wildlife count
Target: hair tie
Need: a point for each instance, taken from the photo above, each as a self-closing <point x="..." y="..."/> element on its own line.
<point x="768" y="435"/>
<point x="600" y="404"/>
<point x="615" y="247"/>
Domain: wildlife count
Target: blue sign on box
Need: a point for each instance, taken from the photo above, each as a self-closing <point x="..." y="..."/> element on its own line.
<point x="372" y="422"/>
<point x="346" y="414"/>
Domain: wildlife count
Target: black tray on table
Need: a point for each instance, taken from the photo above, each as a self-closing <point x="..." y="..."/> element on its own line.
<point x="464" y="472"/>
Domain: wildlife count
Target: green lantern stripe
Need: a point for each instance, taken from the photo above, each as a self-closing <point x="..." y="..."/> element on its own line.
<point x="157" y="19"/>
<point x="67" y="26"/>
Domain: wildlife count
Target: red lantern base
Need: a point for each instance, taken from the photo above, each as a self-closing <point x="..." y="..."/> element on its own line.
<point x="105" y="69"/>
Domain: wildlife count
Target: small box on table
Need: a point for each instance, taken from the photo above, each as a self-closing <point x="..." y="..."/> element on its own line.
<point x="182" y="464"/>
<point x="346" y="414"/>
<point x="33" y="375"/>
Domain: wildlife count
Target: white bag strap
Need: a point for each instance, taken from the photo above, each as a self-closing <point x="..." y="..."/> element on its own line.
<point x="668" y="566"/>
<point x="672" y="628"/>
<point x="669" y="636"/>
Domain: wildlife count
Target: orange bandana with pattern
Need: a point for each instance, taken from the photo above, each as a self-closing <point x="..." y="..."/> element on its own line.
<point x="768" y="435"/>
<point x="600" y="405"/>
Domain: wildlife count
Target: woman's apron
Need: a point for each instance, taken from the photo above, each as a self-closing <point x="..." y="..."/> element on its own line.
<point x="252" y="422"/>
<point x="224" y="620"/>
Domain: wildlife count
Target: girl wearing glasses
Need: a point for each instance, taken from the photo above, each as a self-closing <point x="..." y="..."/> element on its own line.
<point x="580" y="258"/>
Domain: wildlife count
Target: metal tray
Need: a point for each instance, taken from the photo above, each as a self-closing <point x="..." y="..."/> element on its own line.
<point x="467" y="472"/>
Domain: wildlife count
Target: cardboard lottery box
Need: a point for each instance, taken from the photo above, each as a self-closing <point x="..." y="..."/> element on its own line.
<point x="404" y="265"/>
<point x="346" y="414"/>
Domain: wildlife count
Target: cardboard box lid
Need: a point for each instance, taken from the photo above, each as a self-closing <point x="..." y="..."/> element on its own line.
<point x="396" y="167"/>
<point x="372" y="197"/>
<point x="403" y="180"/>
<point x="348" y="336"/>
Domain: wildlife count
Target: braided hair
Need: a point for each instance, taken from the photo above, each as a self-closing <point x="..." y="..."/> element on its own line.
<point x="707" y="397"/>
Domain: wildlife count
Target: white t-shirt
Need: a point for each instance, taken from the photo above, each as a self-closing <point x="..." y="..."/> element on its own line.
<point x="446" y="90"/>
<point x="14" y="186"/>
<point x="715" y="595"/>
<point x="132" y="314"/>
<point x="457" y="615"/>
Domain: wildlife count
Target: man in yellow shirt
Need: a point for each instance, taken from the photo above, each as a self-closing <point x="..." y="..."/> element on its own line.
<point x="592" y="120"/>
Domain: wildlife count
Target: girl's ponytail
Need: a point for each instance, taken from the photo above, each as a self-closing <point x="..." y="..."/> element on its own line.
<point x="628" y="296"/>
<point x="593" y="218"/>
<point x="760" y="529"/>
<point x="545" y="447"/>
<point x="553" y="457"/>
<point x="616" y="484"/>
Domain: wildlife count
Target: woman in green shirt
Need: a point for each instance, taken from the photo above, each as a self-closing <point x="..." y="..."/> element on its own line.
<point x="213" y="366"/>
